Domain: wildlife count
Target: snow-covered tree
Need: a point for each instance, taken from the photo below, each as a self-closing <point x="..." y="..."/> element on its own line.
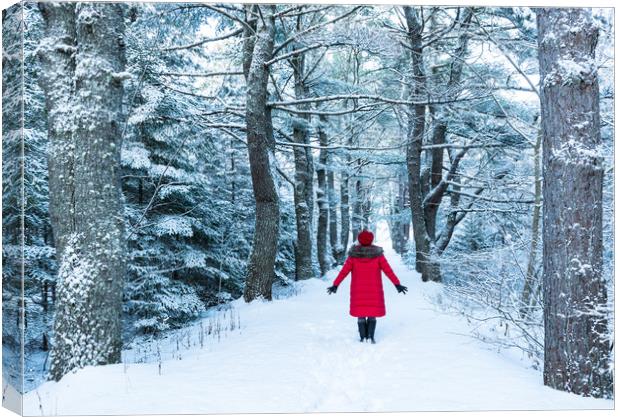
<point x="577" y="343"/>
<point x="83" y="62"/>
<point x="25" y="164"/>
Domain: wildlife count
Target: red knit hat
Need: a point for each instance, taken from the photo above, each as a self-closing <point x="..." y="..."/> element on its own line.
<point x="365" y="237"/>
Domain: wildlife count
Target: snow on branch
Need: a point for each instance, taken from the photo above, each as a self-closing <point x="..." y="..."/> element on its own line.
<point x="493" y="200"/>
<point x="369" y="97"/>
<point x="200" y="75"/>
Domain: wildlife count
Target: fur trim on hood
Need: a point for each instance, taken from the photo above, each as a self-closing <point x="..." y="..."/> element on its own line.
<point x="371" y="251"/>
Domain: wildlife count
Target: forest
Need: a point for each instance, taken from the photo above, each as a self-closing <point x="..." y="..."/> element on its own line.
<point x="162" y="161"/>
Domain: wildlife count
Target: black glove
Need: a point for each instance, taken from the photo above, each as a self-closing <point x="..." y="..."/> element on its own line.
<point x="401" y="288"/>
<point x="332" y="289"/>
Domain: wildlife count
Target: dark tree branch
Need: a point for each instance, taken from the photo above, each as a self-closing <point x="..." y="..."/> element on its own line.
<point x="202" y="42"/>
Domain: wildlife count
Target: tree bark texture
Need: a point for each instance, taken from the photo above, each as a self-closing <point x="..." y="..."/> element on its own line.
<point x="577" y="346"/>
<point x="425" y="264"/>
<point x="261" y="274"/>
<point x="58" y="69"/>
<point x="83" y="59"/>
<point x="438" y="188"/>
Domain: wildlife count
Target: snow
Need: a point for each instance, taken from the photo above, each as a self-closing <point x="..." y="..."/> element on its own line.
<point x="302" y="354"/>
<point x="174" y="225"/>
<point x="570" y="71"/>
<point x="135" y="156"/>
<point x="577" y="152"/>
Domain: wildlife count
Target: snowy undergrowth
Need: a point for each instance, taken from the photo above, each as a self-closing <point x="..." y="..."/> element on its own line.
<point x="499" y="327"/>
<point x="302" y="354"/>
<point x="215" y="325"/>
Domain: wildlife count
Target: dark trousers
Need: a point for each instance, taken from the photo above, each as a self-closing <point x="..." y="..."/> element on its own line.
<point x="366" y="327"/>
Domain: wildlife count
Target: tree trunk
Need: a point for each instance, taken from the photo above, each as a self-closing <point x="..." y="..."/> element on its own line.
<point x="394" y="222"/>
<point x="527" y="295"/>
<point x="405" y="205"/>
<point x="248" y="37"/>
<point x="345" y="222"/>
<point x="356" y="215"/>
<point x="261" y="272"/>
<point x="366" y="209"/>
<point x="304" y="176"/>
<point x="332" y="203"/>
<point x="577" y="345"/>
<point x="321" y="233"/>
<point x="425" y="264"/>
<point x="353" y="217"/>
<point x="400" y="232"/>
<point x="58" y="69"/>
<point x="83" y="61"/>
<point x="440" y="129"/>
<point x="436" y="173"/>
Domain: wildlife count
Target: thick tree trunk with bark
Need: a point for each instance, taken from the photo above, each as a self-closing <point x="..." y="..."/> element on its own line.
<point x="58" y="69"/>
<point x="428" y="186"/>
<point x="83" y="60"/>
<point x="321" y="198"/>
<point x="577" y="345"/>
<point x="436" y="172"/>
<point x="261" y="273"/>
<point x="425" y="264"/>
<point x="438" y="188"/>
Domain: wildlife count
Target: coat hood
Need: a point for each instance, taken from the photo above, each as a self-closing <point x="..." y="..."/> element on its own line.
<point x="370" y="251"/>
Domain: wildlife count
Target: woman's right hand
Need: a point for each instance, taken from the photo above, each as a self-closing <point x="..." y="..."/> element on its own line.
<point x="332" y="289"/>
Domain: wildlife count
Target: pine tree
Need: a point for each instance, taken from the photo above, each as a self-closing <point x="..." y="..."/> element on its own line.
<point x="25" y="163"/>
<point x="577" y="345"/>
<point x="82" y="60"/>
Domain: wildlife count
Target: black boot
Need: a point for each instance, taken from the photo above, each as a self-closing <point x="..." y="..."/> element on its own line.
<point x="361" y="325"/>
<point x="372" y="325"/>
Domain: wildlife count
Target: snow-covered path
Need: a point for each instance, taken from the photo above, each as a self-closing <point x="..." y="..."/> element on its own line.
<point x="302" y="354"/>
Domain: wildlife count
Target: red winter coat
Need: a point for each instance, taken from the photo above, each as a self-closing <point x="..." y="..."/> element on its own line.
<point x="365" y="264"/>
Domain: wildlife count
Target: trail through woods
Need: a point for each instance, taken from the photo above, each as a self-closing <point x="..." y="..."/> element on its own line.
<point x="302" y="354"/>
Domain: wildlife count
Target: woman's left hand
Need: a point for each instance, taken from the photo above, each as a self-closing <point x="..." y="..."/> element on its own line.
<point x="401" y="288"/>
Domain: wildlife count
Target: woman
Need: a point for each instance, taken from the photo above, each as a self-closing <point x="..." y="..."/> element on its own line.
<point x="366" y="261"/>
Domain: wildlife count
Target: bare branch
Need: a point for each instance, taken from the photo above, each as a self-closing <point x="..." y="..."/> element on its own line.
<point x="368" y="97"/>
<point x="303" y="51"/>
<point x="200" y="75"/>
<point x="313" y="28"/>
<point x="493" y="200"/>
<point x="202" y="42"/>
